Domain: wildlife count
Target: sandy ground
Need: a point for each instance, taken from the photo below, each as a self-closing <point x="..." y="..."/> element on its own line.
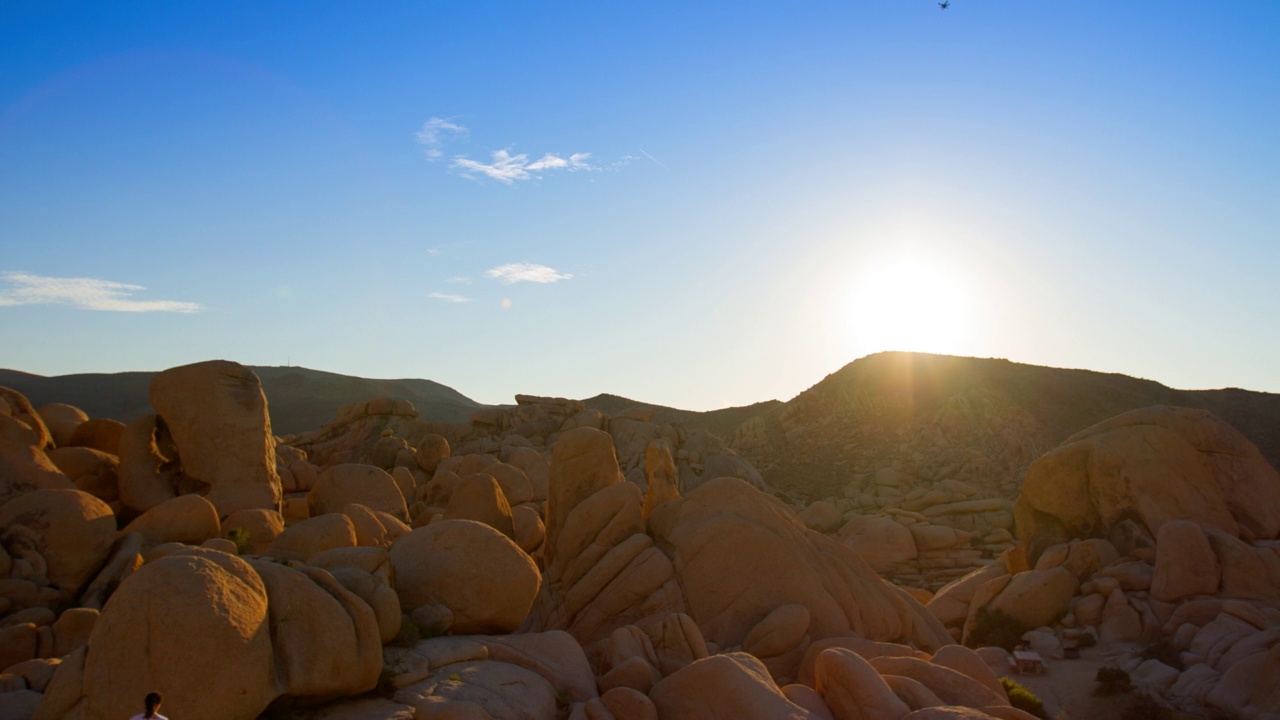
<point x="1066" y="687"/>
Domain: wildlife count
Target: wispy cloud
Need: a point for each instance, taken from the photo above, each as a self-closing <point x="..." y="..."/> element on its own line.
<point x="435" y="132"/>
<point x="525" y="272"/>
<point x="458" y="280"/>
<point x="446" y="297"/>
<point x="83" y="293"/>
<point x="507" y="168"/>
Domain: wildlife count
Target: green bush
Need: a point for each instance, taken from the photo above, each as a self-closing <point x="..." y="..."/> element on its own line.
<point x="995" y="628"/>
<point x="1023" y="699"/>
<point x="241" y="538"/>
<point x="1112" y="681"/>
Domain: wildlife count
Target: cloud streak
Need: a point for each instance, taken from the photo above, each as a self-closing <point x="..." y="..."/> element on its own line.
<point x="449" y="298"/>
<point x="435" y="132"/>
<point x="83" y="294"/>
<point x="525" y="272"/>
<point x="507" y="168"/>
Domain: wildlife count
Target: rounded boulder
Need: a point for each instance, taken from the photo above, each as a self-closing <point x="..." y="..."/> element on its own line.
<point x="483" y="577"/>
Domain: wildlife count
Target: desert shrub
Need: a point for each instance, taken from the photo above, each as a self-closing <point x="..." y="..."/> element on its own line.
<point x="412" y="632"/>
<point x="1164" y="651"/>
<point x="240" y="537"/>
<point x="1023" y="699"/>
<point x="1112" y="681"/>
<point x="995" y="628"/>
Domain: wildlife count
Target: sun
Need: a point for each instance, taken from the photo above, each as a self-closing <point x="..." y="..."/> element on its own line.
<point x="910" y="304"/>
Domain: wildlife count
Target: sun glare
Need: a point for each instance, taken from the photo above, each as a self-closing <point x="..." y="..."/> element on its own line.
<point x="910" y="305"/>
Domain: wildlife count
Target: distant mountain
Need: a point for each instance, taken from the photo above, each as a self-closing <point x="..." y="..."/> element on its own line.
<point x="983" y="421"/>
<point x="298" y="399"/>
<point x="926" y="418"/>
<point x="721" y="422"/>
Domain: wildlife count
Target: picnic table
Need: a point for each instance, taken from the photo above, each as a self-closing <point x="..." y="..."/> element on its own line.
<point x="1028" y="661"/>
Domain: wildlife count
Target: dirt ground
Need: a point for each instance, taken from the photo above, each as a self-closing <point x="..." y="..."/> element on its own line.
<point x="1066" y="687"/>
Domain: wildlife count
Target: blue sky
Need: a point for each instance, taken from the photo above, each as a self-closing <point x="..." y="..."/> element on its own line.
<point x="695" y="206"/>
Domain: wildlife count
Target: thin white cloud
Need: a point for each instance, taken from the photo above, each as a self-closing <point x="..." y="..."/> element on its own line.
<point x="507" y="168"/>
<point x="458" y="280"/>
<point x="504" y="165"/>
<point x="525" y="272"/>
<point x="83" y="293"/>
<point x="435" y="132"/>
<point x="446" y="297"/>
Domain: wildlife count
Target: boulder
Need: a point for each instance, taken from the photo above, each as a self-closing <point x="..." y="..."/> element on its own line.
<point x="149" y="473"/>
<point x="582" y="462"/>
<point x="554" y="655"/>
<point x="853" y="689"/>
<point x="15" y="405"/>
<point x="366" y="485"/>
<point x="528" y="528"/>
<point x="92" y="471"/>
<point x="378" y="594"/>
<point x="734" y="686"/>
<point x="1152" y="465"/>
<point x="430" y="451"/>
<point x="1037" y="597"/>
<point x="494" y="688"/>
<point x="882" y="542"/>
<point x="676" y="642"/>
<point x="1185" y="563"/>
<point x="61" y="420"/>
<point x="933" y="537"/>
<point x="660" y="476"/>
<point x="1120" y="622"/>
<point x="312" y="536"/>
<point x="253" y="530"/>
<point x="739" y="554"/>
<point x="70" y="531"/>
<point x="514" y="484"/>
<point x="952" y="687"/>
<point x="72" y="629"/>
<point x="821" y="516"/>
<point x="326" y="639"/>
<point x="478" y="573"/>
<point x="173" y="624"/>
<point x="479" y="497"/>
<point x="605" y="572"/>
<point x="98" y="433"/>
<point x="189" y="519"/>
<point x="216" y="414"/>
<point x="24" y="467"/>
<point x="779" y="632"/>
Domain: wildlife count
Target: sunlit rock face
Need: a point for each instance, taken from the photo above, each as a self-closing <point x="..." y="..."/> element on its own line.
<point x="1126" y="477"/>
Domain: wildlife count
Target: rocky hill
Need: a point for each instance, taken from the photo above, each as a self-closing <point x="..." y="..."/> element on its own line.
<point x="301" y="399"/>
<point x="721" y="422"/>
<point x="934" y="417"/>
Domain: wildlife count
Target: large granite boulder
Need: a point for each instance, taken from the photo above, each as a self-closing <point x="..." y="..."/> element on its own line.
<point x="739" y="554"/>
<point x="476" y="572"/>
<point x="216" y="413"/>
<point x="69" y="532"/>
<point x="1149" y="466"/>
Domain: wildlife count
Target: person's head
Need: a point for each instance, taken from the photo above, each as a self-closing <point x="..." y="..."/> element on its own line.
<point x="153" y="703"/>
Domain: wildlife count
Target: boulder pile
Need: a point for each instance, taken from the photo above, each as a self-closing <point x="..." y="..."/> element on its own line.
<point x="547" y="561"/>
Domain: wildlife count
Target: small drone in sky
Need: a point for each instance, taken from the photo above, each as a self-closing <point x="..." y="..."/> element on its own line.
<point x="944" y="4"/>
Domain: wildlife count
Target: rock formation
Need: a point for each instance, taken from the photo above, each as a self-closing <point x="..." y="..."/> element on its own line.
<point x="550" y="561"/>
